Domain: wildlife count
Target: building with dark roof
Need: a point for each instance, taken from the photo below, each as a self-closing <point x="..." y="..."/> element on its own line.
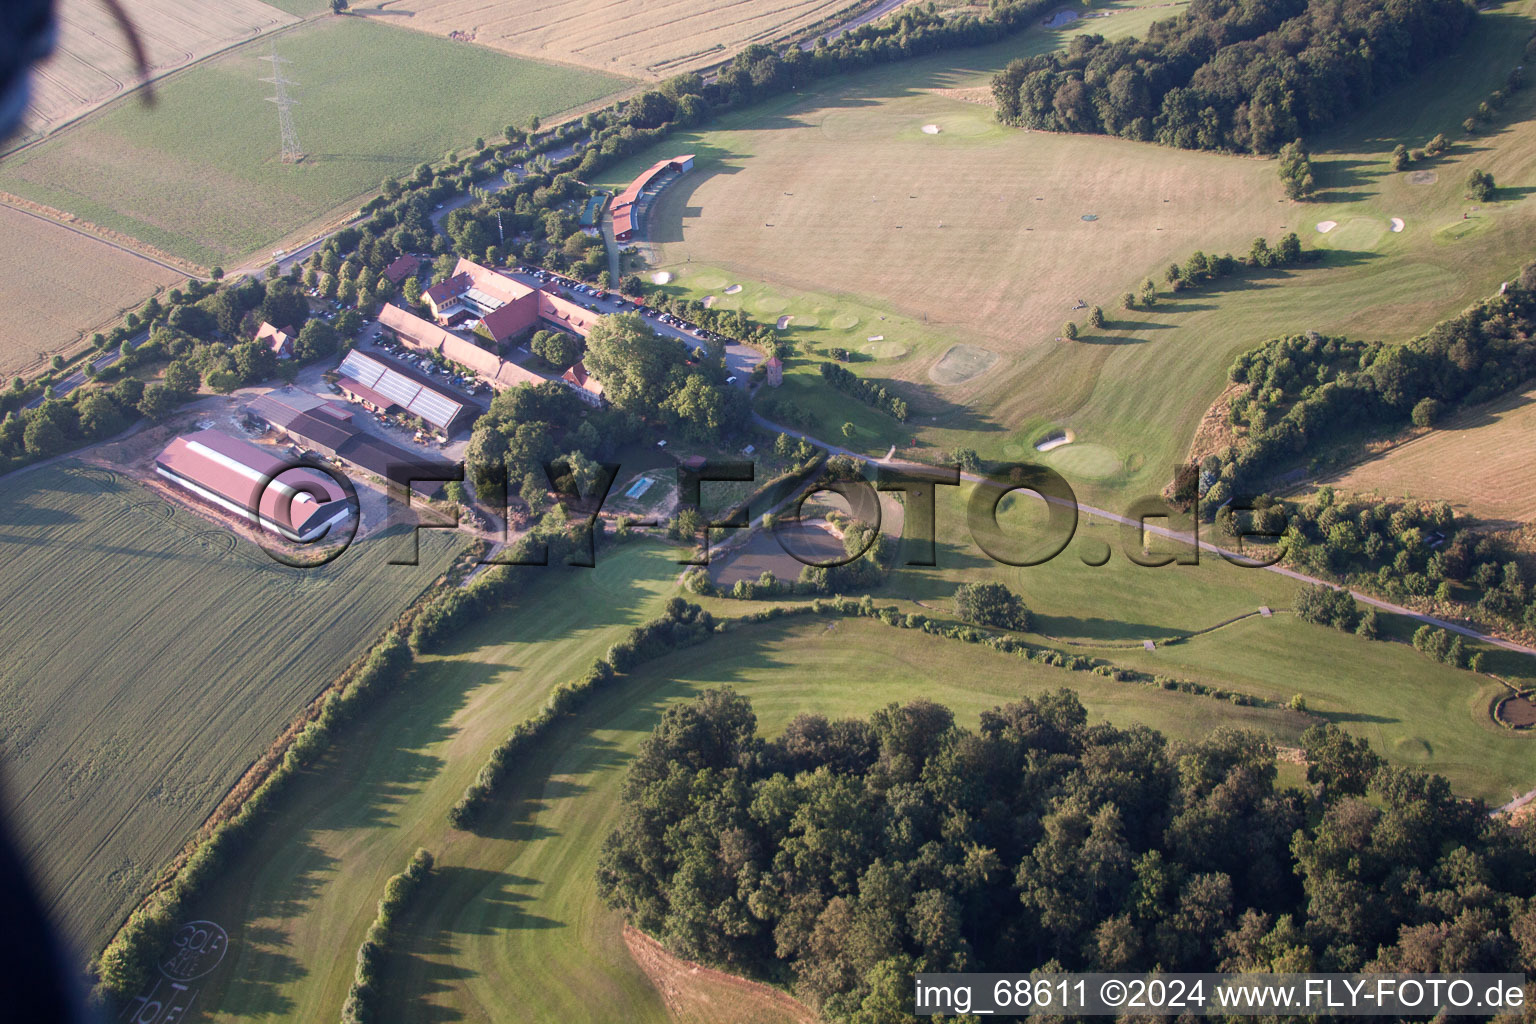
<point x="288" y="498"/>
<point x="385" y="387"/>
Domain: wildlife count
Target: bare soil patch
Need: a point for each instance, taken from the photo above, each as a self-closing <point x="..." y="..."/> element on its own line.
<point x="695" y="993"/>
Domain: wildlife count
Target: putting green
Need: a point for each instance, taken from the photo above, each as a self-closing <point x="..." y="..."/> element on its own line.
<point x="1358" y="233"/>
<point x="1085" y="461"/>
<point x="709" y="281"/>
<point x="806" y="321"/>
<point x="962" y="363"/>
<point x="1411" y="748"/>
<point x="845" y="321"/>
<point x="770" y="304"/>
<point x="886" y="349"/>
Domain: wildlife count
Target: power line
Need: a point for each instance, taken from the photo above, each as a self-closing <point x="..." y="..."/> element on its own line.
<point x="291" y="154"/>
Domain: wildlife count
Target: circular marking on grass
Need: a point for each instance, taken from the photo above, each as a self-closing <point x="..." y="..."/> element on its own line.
<point x="960" y="364"/>
<point x="710" y="282"/>
<point x="784" y="322"/>
<point x="1423" y="178"/>
<point x="885" y="349"/>
<point x="1412" y="748"/>
<point x="807" y="321"/>
<point x="931" y="129"/>
<point x="845" y="321"/>
<point x="1087" y="461"/>
<point x="1090" y="217"/>
<point x="198" y="947"/>
<point x="1397" y="225"/>
<point x="770" y="304"/>
<point x="1325" y="226"/>
<point x="733" y="289"/>
<point x="661" y="277"/>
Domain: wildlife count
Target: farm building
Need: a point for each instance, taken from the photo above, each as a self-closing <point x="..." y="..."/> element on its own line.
<point x="278" y="339"/>
<point x="425" y="337"/>
<point x="384" y="387"/>
<point x="584" y="384"/>
<point x="328" y="428"/>
<point x="404" y="267"/>
<point x="505" y="307"/>
<point x="630" y="204"/>
<point x="288" y="498"/>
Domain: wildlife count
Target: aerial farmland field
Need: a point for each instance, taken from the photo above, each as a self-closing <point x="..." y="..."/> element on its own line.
<point x="1479" y="460"/>
<point x="199" y="174"/>
<point x="61" y="285"/>
<point x="92" y="62"/>
<point x="651" y="39"/>
<point x="162" y="655"/>
<point x="886" y="216"/>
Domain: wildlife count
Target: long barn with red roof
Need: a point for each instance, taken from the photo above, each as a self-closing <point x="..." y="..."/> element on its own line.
<point x="627" y="205"/>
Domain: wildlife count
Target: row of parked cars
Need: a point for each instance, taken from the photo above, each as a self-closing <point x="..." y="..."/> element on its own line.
<point x="470" y="383"/>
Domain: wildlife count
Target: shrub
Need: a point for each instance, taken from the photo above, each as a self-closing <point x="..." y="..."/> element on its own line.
<point x="991" y="604"/>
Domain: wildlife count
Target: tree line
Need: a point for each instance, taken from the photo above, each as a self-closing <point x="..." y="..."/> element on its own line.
<point x="1240" y="75"/>
<point x="847" y="854"/>
<point x="866" y="391"/>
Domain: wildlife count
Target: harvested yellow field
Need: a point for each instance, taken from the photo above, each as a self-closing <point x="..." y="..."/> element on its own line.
<point x="641" y="38"/>
<point x="93" y="63"/>
<point x="60" y="285"/>
<point x="1480" y="461"/>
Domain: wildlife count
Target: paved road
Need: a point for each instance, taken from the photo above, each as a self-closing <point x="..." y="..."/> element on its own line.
<point x="1204" y="545"/>
<point x="873" y="14"/>
<point x="74" y="380"/>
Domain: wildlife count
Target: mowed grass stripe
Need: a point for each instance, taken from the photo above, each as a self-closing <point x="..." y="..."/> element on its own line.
<point x="511" y="928"/>
<point x="154" y="657"/>
<point x="198" y="175"/>
<point x="298" y="901"/>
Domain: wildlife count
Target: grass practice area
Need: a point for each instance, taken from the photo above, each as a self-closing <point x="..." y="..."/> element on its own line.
<point x="1480" y="461"/>
<point x="162" y="655"/>
<point x="831" y="199"/>
<point x="60" y="285"/>
<point x="92" y="62"/>
<point x="199" y="174"/>
<point x="645" y="40"/>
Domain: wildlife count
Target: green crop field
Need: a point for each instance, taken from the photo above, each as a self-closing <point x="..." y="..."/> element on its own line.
<point x="826" y="206"/>
<point x="151" y="657"/>
<point x="198" y="175"/>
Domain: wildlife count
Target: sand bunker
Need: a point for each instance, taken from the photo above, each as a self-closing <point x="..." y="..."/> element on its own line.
<point x="1397" y="224"/>
<point x="1326" y="226"/>
<point x="784" y="321"/>
<point x="875" y="337"/>
<point x="733" y="289"/>
<point x="962" y="363"/>
<point x="1055" y="439"/>
<point x="661" y="277"/>
<point x="709" y="300"/>
<point x="930" y="129"/>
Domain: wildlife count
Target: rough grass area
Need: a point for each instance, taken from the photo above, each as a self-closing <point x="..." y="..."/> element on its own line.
<point x="1480" y="460"/>
<point x="199" y="174"/>
<point x="62" y="285"/>
<point x="152" y="656"/>
<point x="835" y="169"/>
<point x="645" y="39"/>
<point x="92" y="62"/>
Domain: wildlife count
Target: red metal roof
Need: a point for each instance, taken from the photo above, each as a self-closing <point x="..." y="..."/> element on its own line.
<point x="292" y="499"/>
<point x="402" y="268"/>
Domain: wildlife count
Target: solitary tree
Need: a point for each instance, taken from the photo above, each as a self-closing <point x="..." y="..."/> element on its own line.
<point x="1069" y="330"/>
<point x="849" y="430"/>
<point x="1128" y="301"/>
<point x="1296" y="170"/>
<point x="991" y="604"/>
<point x="1400" y="159"/>
<point x="1480" y="186"/>
<point x="339" y="6"/>
<point x="1096" y="317"/>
